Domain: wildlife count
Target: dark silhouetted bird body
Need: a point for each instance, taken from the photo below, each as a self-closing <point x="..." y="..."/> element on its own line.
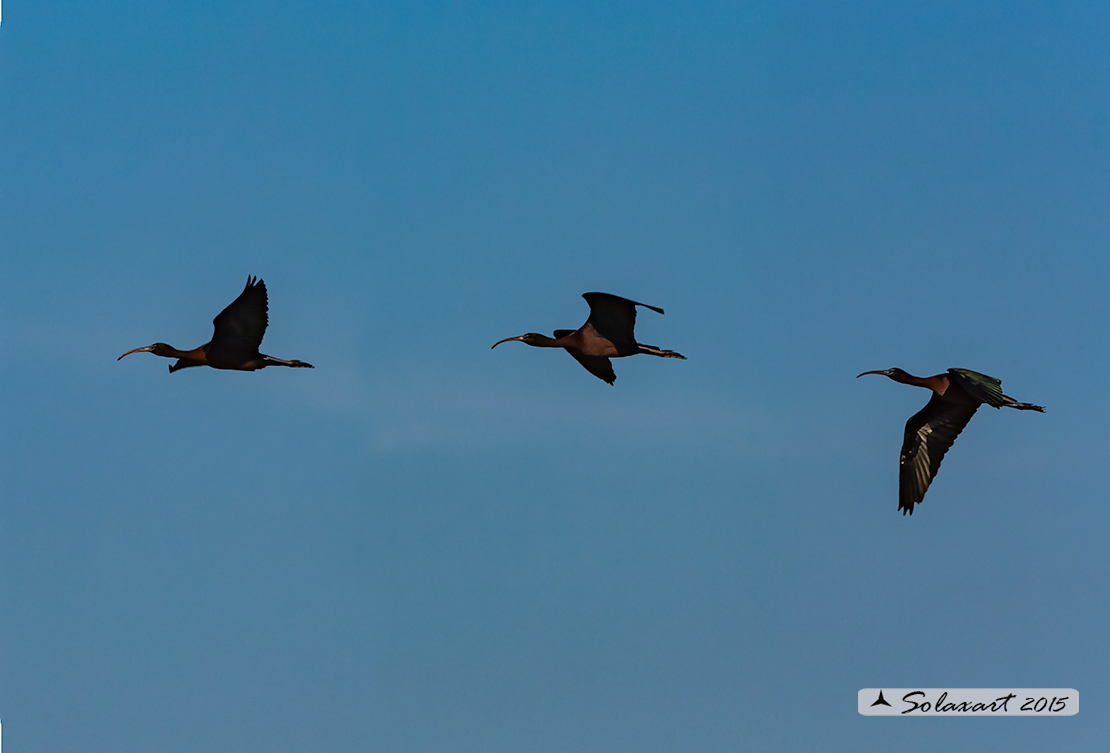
<point x="933" y="429"/>
<point x="237" y="335"/>
<point x="607" y="333"/>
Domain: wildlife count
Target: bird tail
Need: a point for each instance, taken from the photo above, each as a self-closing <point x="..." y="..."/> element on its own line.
<point x="652" y="350"/>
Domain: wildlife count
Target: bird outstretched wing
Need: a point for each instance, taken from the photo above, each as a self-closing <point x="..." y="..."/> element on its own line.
<point x="983" y="388"/>
<point x="243" y="323"/>
<point x="613" y="317"/>
<point x="600" y="366"/>
<point x="929" y="434"/>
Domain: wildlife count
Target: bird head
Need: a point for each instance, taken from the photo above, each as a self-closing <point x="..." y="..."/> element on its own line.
<point x="885" y="372"/>
<point x="528" y="339"/>
<point x="158" y="349"/>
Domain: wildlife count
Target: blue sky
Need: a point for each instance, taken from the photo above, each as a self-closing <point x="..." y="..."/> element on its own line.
<point x="426" y="545"/>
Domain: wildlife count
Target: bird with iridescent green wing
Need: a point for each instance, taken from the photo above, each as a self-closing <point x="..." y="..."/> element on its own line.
<point x="933" y="429"/>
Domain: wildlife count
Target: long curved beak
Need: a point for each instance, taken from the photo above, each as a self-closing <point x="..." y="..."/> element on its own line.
<point x="147" y="349"/>
<point x="507" y="339"/>
<point x="870" y="372"/>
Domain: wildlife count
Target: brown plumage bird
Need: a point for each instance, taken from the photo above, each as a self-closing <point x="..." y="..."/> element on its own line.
<point x="235" y="341"/>
<point x="933" y="429"/>
<point x="607" y="333"/>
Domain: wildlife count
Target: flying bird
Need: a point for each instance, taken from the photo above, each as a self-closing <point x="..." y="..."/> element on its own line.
<point x="606" y="334"/>
<point x="238" y="334"/>
<point x="933" y="429"/>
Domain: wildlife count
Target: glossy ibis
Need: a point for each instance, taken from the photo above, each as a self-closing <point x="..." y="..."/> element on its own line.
<point x="933" y="429"/>
<point x="238" y="333"/>
<point x="606" y="334"/>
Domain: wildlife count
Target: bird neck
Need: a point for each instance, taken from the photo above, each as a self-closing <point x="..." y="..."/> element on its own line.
<point x="937" y="383"/>
<point x="196" y="354"/>
<point x="543" y="341"/>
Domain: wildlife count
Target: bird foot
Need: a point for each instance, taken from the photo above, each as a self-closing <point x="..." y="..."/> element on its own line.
<point x="651" y="350"/>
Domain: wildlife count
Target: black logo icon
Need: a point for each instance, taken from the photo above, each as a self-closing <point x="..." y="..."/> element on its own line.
<point x="880" y="701"/>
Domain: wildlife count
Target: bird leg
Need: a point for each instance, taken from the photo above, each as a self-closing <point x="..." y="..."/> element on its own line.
<point x="1011" y="403"/>
<point x="271" y="361"/>
<point x="652" y="350"/>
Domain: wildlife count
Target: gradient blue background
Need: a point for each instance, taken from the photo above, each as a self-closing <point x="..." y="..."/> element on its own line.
<point x="425" y="545"/>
